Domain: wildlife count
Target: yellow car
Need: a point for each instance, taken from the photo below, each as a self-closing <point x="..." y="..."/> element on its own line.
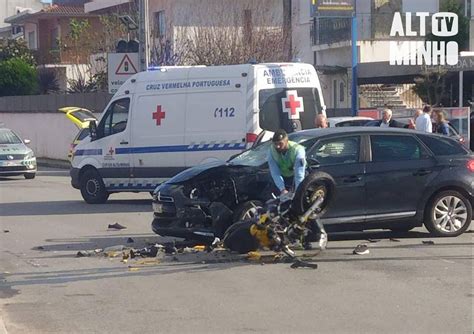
<point x="81" y="118"/>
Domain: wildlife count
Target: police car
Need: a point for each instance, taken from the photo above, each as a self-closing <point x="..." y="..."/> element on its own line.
<point x="15" y="157"/>
<point x="165" y="120"/>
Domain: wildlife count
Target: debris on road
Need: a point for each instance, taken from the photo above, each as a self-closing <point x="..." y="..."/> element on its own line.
<point x="361" y="249"/>
<point x="6" y="231"/>
<point x="302" y="264"/>
<point x="84" y="253"/>
<point x="428" y="242"/>
<point x="117" y="226"/>
<point x="373" y="240"/>
<point x="254" y="256"/>
<point x="145" y="252"/>
<point x="130" y="241"/>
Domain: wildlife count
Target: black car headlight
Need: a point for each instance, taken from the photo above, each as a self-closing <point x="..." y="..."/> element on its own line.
<point x="194" y="193"/>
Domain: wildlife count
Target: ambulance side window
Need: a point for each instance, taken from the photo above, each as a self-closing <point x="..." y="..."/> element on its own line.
<point x="116" y="118"/>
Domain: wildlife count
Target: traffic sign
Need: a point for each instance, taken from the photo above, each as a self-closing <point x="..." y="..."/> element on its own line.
<point x="120" y="66"/>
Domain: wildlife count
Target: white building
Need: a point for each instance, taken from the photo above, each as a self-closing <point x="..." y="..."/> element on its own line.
<point x="14" y="7"/>
<point x="326" y="43"/>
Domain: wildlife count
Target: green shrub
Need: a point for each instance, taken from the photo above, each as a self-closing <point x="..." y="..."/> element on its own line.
<point x="17" y="77"/>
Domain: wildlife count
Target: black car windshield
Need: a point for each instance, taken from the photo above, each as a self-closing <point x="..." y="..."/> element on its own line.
<point x="8" y="137"/>
<point x="257" y="156"/>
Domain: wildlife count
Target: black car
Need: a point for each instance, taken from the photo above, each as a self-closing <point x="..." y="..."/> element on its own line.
<point x="385" y="178"/>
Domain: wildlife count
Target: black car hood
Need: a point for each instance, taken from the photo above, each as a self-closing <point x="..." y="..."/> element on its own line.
<point x="192" y="172"/>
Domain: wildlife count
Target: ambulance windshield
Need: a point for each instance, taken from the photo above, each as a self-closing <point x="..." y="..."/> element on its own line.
<point x="291" y="109"/>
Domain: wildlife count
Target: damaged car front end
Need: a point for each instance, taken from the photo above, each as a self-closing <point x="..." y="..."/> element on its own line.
<point x="202" y="202"/>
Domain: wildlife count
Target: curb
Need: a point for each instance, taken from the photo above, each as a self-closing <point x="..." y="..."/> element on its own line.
<point x="53" y="163"/>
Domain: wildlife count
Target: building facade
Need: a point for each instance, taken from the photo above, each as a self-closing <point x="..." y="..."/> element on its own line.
<point x="14" y="7"/>
<point x="324" y="39"/>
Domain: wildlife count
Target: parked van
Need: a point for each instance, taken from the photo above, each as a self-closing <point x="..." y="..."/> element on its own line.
<point x="163" y="121"/>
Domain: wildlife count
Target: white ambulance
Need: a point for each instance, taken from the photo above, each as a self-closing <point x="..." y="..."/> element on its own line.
<point x="165" y="120"/>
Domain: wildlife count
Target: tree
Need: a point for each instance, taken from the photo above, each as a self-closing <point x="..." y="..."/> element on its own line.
<point x="430" y="86"/>
<point x="17" y="77"/>
<point x="462" y="37"/>
<point x="16" y="48"/>
<point x="243" y="31"/>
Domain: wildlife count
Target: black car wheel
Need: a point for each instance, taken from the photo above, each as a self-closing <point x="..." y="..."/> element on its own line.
<point x="449" y="214"/>
<point x="92" y="188"/>
<point x="30" y="176"/>
<point x="246" y="210"/>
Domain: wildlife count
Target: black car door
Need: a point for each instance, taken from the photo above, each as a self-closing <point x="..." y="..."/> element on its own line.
<point x="340" y="157"/>
<point x="396" y="177"/>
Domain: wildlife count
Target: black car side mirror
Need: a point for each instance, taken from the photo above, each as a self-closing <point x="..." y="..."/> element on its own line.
<point x="93" y="130"/>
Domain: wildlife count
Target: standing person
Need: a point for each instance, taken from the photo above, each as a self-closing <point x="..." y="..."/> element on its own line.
<point x="412" y="121"/>
<point x="287" y="162"/>
<point x="423" y="122"/>
<point x="387" y="121"/>
<point x="442" y="126"/>
<point x="320" y="122"/>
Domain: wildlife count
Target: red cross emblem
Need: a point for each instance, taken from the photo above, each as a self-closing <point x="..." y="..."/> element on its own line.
<point x="292" y="104"/>
<point x="111" y="151"/>
<point x="158" y="115"/>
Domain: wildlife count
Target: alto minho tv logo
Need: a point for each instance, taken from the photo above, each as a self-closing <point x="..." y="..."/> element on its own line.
<point x="443" y="24"/>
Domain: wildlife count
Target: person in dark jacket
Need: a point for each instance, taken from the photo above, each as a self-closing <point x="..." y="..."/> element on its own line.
<point x="387" y="121"/>
<point x="441" y="124"/>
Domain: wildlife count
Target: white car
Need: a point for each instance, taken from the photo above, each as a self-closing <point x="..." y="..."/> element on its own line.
<point x="348" y="121"/>
<point x="15" y="157"/>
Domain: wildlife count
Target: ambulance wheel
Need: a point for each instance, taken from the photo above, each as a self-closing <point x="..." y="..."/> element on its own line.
<point x="29" y="176"/>
<point x="93" y="188"/>
<point x="314" y="185"/>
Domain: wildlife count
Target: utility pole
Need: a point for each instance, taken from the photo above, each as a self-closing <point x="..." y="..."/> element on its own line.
<point x="355" y="60"/>
<point x="144" y="50"/>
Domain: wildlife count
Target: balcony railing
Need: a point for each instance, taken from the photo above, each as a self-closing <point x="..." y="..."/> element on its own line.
<point x="371" y="27"/>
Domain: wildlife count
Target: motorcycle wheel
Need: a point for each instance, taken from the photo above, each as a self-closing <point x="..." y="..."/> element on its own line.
<point x="314" y="185"/>
<point x="237" y="238"/>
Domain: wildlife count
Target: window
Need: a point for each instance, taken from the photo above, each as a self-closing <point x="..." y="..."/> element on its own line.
<point x="443" y="146"/>
<point x="396" y="148"/>
<point x="31" y="40"/>
<point x="341" y="91"/>
<point x="337" y="151"/>
<point x="160" y="25"/>
<point x="257" y="156"/>
<point x="115" y="120"/>
<point x="360" y="122"/>
<point x="8" y="137"/>
<point x="272" y="116"/>
<point x="54" y="39"/>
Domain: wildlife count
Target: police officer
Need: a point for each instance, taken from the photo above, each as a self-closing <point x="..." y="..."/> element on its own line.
<point x="287" y="163"/>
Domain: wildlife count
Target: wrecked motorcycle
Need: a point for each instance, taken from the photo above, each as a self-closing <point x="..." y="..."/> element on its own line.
<point x="285" y="220"/>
